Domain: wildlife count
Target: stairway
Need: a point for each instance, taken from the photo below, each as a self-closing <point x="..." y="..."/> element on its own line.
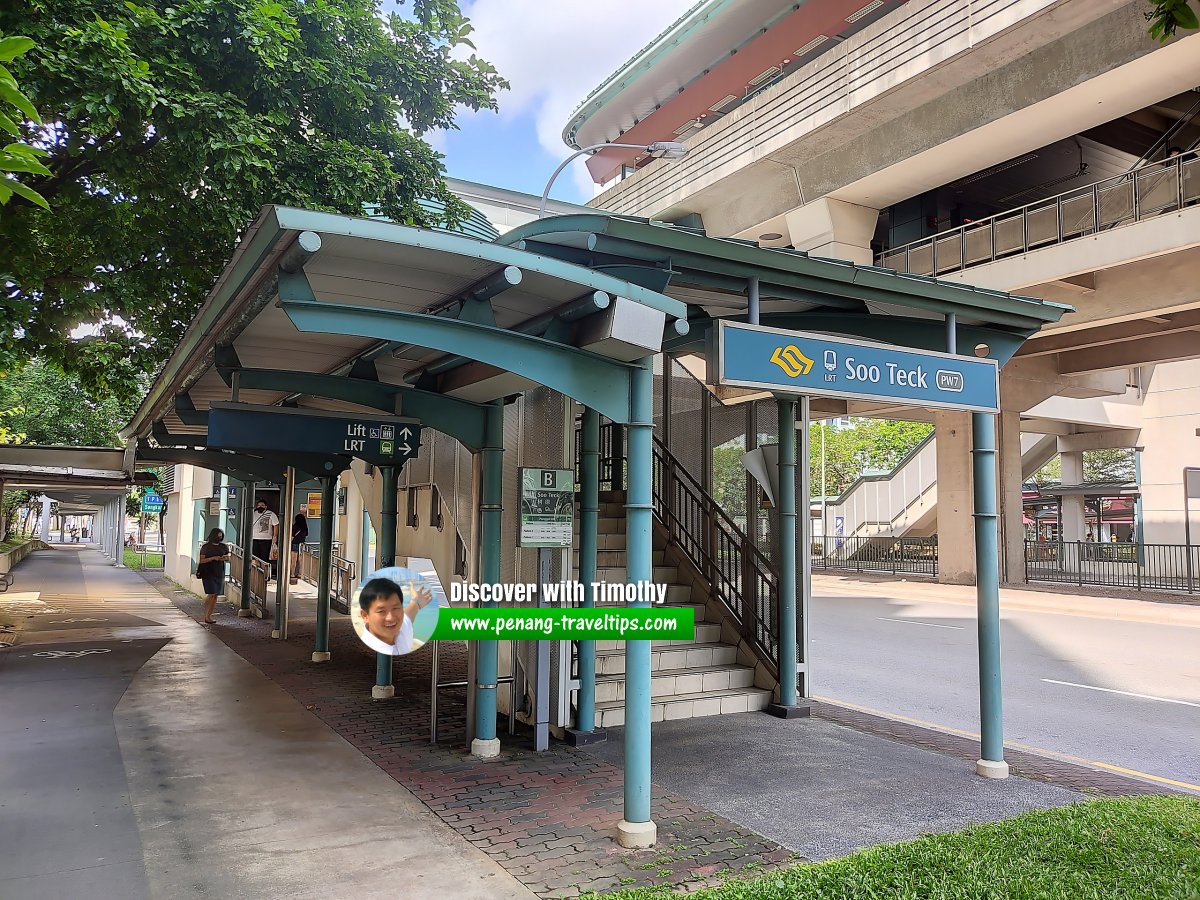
<point x="689" y="678"/>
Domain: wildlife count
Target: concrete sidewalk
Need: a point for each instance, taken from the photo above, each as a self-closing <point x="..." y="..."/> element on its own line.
<point x="147" y="759"/>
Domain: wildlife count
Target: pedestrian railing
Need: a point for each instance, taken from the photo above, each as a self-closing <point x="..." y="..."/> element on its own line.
<point x="236" y="561"/>
<point x="1144" y="193"/>
<point x="342" y="573"/>
<point x="910" y="556"/>
<point x="1162" y="567"/>
<point x="260" y="570"/>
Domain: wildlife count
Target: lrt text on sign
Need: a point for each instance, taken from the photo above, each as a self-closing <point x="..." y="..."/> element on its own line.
<point x="795" y="362"/>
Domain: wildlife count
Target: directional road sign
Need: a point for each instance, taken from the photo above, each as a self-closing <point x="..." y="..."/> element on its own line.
<point x="795" y="362"/>
<point x="151" y="502"/>
<point x="380" y="440"/>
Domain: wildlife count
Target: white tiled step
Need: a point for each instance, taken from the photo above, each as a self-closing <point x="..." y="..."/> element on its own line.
<point x="704" y="679"/>
<point x="611" y="713"/>
<point x="613" y="558"/>
<point x="619" y="574"/>
<point x="706" y="633"/>
<point x="666" y="659"/>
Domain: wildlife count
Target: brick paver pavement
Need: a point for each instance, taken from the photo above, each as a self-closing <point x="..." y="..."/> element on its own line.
<point x="546" y="817"/>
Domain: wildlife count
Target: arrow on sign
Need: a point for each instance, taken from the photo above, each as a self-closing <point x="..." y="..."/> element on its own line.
<point x="405" y="448"/>
<point x="405" y="433"/>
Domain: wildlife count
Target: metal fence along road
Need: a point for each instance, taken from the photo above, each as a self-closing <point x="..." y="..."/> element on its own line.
<point x="1162" y="567"/>
<point x="912" y="556"/>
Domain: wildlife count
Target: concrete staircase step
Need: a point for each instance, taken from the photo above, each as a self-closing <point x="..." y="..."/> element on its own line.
<point x="619" y="574"/>
<point x="706" y="633"/>
<point x="607" y="558"/>
<point x="699" y="680"/>
<point x="670" y="658"/>
<point x="611" y="714"/>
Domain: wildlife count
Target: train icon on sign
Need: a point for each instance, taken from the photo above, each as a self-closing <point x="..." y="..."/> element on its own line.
<point x="949" y="381"/>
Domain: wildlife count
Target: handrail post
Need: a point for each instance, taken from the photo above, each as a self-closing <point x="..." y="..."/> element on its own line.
<point x="786" y="595"/>
<point x="324" y="569"/>
<point x="589" y="511"/>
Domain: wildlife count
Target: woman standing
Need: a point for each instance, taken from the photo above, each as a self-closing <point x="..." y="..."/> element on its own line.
<point x="299" y="536"/>
<point x="211" y="570"/>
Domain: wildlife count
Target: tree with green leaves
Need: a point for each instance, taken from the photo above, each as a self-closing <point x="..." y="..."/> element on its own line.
<point x="41" y="404"/>
<point x="18" y="157"/>
<point x="1168" y="16"/>
<point x="170" y="123"/>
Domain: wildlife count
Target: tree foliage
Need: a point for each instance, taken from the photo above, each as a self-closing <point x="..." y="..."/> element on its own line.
<point x="40" y="404"/>
<point x="1098" y="465"/>
<point x="170" y="123"/>
<point x="1168" y="16"/>
<point x="878" y="444"/>
<point x="17" y="156"/>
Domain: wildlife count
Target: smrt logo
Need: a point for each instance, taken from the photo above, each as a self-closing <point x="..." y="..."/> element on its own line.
<point x="792" y="361"/>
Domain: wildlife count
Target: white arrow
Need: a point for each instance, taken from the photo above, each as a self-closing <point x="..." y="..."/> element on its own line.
<point x="405" y="448"/>
<point x="405" y="432"/>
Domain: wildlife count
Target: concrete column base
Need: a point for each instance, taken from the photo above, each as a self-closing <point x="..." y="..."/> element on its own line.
<point x="482" y="749"/>
<point x="275" y="633"/>
<point x="578" y="738"/>
<point x="383" y="692"/>
<point x="245" y="613"/>
<point x="990" y="768"/>
<point x="636" y="835"/>
<point x="801" y="710"/>
<point x="320" y="656"/>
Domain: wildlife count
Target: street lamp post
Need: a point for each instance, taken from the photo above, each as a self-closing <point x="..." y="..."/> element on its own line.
<point x="658" y="149"/>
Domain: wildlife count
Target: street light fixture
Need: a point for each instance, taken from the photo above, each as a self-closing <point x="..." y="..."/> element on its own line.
<point x="658" y="149"/>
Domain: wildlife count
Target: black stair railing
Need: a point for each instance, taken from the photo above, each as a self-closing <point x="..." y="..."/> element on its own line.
<point x="740" y="576"/>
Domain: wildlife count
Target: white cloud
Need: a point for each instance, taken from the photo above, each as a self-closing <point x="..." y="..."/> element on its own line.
<point x="554" y="54"/>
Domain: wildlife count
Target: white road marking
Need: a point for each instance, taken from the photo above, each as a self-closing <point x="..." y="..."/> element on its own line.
<point x="1092" y="687"/>
<point x="69" y="654"/>
<point x="913" y="622"/>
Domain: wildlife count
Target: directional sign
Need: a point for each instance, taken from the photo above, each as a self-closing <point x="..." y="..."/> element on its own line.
<point x="547" y="507"/>
<point x="795" y="362"/>
<point x="151" y="503"/>
<point x="381" y="441"/>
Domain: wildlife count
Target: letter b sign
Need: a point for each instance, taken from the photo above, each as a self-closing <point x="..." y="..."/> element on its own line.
<point x="549" y="478"/>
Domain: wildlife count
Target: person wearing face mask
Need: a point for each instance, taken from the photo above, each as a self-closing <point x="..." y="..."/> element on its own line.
<point x="264" y="531"/>
<point x="210" y="568"/>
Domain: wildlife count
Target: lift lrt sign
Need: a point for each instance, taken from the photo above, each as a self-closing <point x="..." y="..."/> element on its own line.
<point x="378" y="440"/>
<point x="795" y="362"/>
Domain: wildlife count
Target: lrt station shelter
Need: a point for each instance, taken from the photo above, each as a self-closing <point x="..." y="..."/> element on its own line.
<point x="401" y="378"/>
<point x="1047" y="148"/>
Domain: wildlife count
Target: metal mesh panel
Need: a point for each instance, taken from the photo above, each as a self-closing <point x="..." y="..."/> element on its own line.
<point x="443" y="467"/>
<point x="464" y="484"/>
<point x="512" y="447"/>
<point x="659" y="401"/>
<point x="688" y="398"/>
<point x="166" y="480"/>
<point x="419" y="468"/>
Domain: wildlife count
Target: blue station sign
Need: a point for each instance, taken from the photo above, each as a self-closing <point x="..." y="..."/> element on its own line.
<point x="796" y="362"/>
<point x="381" y="440"/>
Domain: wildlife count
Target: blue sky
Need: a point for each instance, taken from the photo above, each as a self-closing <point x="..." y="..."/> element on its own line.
<point x="554" y="54"/>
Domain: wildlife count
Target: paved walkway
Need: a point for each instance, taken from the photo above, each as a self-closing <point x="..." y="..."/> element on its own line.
<point x="245" y="789"/>
<point x="143" y="758"/>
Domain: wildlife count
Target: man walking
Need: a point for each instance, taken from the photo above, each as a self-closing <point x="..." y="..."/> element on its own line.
<point x="264" y="532"/>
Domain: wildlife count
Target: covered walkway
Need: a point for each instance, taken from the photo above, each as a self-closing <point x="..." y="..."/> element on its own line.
<point x="144" y="758"/>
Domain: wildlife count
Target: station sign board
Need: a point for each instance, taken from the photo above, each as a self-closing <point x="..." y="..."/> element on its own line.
<point x="547" y="507"/>
<point x="817" y="365"/>
<point x="379" y="440"/>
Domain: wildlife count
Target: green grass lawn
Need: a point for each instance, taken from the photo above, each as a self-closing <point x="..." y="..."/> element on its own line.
<point x="1144" y="847"/>
<point x="142" y="561"/>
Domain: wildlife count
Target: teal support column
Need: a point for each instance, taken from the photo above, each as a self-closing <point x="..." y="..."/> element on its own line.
<point x="589" y="513"/>
<point x="486" y="744"/>
<point x="991" y="705"/>
<point x="787" y="708"/>
<point x="386" y="548"/>
<point x="637" y="830"/>
<point x="247" y="545"/>
<point x="321" y="650"/>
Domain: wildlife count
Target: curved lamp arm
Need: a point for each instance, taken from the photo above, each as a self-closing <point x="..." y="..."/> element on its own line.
<point x="668" y="150"/>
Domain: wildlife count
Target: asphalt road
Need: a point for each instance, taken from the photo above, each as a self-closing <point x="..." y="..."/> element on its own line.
<point x="1091" y="685"/>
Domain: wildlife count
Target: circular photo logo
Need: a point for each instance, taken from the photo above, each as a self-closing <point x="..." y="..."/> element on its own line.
<point x="394" y="610"/>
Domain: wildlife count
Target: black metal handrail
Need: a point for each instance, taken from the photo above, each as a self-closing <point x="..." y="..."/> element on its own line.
<point x="740" y="576"/>
<point x="913" y="556"/>
<point x="1161" y="567"/>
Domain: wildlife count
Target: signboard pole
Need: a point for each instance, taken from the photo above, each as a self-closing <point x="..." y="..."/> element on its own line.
<point x="541" y="728"/>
